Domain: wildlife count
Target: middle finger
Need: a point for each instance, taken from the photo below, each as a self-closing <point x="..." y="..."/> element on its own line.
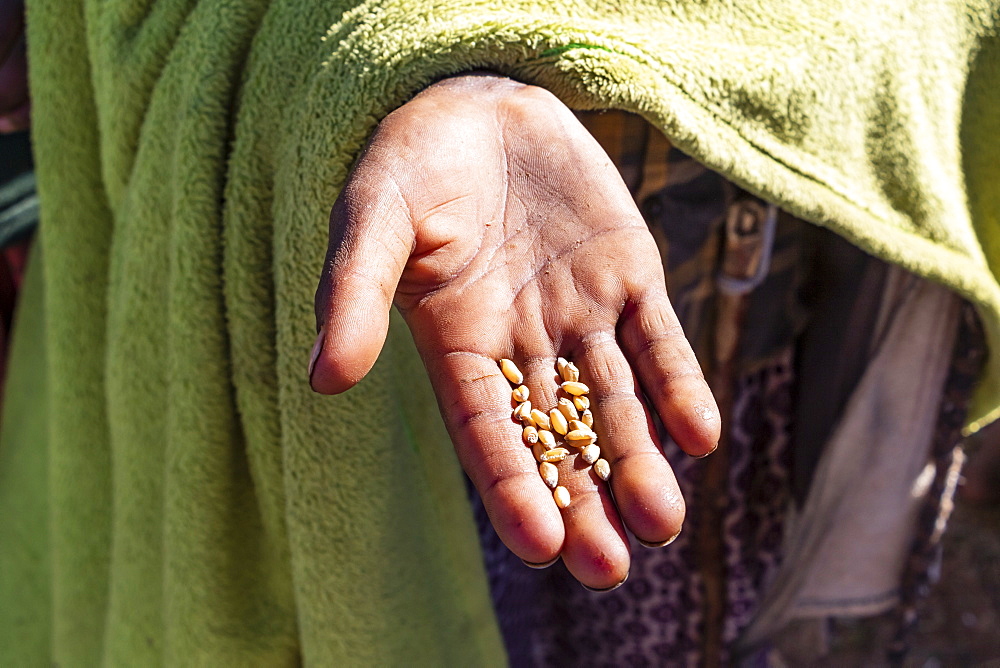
<point x="646" y="491"/>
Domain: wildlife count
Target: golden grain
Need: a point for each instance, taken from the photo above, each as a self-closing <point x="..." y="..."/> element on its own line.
<point x="575" y="388"/>
<point x="590" y="453"/>
<point x="537" y="450"/>
<point x="570" y="372"/>
<point x="567" y="408"/>
<point x="549" y="473"/>
<point x="540" y="419"/>
<point x="580" y="438"/>
<point x="555" y="455"/>
<point x="558" y="421"/>
<point x="511" y="372"/>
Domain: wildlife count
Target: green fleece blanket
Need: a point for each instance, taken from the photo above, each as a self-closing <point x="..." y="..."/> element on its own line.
<point x="170" y="489"/>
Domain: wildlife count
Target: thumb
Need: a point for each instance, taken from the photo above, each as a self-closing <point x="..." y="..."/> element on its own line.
<point x="371" y="238"/>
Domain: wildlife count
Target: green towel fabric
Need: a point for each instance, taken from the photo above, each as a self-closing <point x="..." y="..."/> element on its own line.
<point x="170" y="489"/>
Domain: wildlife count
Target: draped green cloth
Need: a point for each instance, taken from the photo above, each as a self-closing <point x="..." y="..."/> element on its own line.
<point x="171" y="492"/>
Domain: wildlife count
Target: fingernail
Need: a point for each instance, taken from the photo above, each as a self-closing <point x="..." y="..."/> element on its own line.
<point x="707" y="453"/>
<point x="316" y="350"/>
<point x="541" y="565"/>
<point x="661" y="543"/>
<point x="611" y="588"/>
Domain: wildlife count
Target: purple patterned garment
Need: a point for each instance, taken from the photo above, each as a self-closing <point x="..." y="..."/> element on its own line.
<point x="548" y="619"/>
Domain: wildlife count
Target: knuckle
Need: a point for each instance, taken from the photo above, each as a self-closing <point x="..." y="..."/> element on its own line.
<point x="494" y="487"/>
<point x="685" y="379"/>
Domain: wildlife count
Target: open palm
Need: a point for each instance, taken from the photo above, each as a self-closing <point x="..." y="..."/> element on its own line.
<point x="500" y="229"/>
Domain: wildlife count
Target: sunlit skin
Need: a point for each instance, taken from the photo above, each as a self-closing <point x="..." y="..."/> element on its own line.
<point x="500" y="229"/>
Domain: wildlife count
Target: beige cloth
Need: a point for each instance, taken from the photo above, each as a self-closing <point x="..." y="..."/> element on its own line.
<point x="845" y="550"/>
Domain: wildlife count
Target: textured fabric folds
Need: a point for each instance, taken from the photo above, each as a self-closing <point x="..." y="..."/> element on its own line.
<point x="197" y="504"/>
